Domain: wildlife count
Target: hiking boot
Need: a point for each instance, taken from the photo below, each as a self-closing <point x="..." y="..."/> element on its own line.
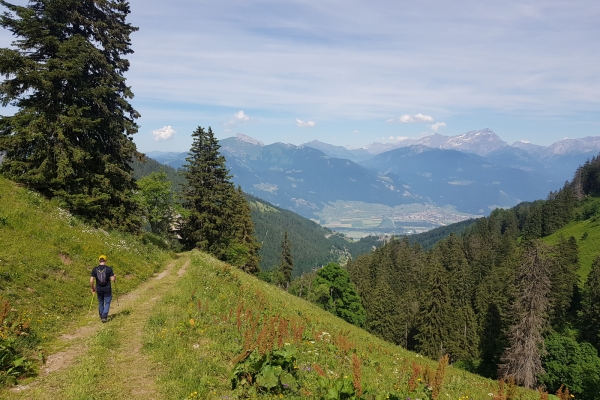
<point x="103" y="320"/>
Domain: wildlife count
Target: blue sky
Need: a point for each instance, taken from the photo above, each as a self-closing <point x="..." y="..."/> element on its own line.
<point x="354" y="72"/>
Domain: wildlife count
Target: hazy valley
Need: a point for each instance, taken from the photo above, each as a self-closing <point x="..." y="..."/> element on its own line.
<point x="405" y="187"/>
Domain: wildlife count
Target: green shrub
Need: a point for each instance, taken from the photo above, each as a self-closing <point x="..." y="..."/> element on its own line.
<point x="576" y="365"/>
<point x="15" y="336"/>
<point x="274" y="372"/>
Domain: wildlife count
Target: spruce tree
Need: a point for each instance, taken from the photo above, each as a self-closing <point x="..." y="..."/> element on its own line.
<point x="435" y="319"/>
<point x="286" y="266"/>
<point x="564" y="280"/>
<point x="71" y="136"/>
<point x="532" y="228"/>
<point x="243" y="249"/>
<point x="207" y="196"/>
<point x="590" y="313"/>
<point x="382" y="317"/>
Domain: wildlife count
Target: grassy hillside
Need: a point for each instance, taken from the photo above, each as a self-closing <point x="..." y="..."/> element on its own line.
<point x="46" y="257"/>
<point x="215" y="315"/>
<point x="586" y="231"/>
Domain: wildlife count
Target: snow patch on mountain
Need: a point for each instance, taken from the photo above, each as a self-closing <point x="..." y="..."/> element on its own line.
<point x="248" y="139"/>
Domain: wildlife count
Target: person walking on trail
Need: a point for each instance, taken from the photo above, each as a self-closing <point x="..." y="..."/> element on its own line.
<point x="104" y="275"/>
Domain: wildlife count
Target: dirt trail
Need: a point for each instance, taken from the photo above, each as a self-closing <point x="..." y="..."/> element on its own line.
<point x="130" y="370"/>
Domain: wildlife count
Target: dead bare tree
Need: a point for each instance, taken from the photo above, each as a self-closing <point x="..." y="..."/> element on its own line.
<point x="522" y="359"/>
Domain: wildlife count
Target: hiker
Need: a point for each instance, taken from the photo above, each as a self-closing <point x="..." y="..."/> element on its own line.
<point x="104" y="275"/>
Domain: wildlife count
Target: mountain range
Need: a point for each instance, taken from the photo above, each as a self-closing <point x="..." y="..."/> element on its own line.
<point x="481" y="142"/>
<point x="469" y="174"/>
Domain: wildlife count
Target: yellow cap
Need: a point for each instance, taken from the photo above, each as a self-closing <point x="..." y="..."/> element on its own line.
<point x="102" y="258"/>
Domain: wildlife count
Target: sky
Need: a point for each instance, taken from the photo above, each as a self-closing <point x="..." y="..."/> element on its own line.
<point x="356" y="72"/>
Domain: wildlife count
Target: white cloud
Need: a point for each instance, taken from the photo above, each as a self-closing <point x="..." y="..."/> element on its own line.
<point x="423" y="118"/>
<point x="164" y="133"/>
<point x="355" y="131"/>
<point x="241" y="117"/>
<point x="238" y="118"/>
<point x="305" y="124"/>
<point x="437" y="126"/>
<point x="407" y="119"/>
<point x="412" y="119"/>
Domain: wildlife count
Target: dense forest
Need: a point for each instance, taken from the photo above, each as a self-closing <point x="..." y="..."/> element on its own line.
<point x="497" y="299"/>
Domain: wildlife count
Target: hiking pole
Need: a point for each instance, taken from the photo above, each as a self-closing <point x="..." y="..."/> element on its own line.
<point x="116" y="295"/>
<point x="91" y="301"/>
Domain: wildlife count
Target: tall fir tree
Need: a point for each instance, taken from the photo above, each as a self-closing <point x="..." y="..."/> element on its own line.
<point x="532" y="228"/>
<point x="286" y="265"/>
<point x="522" y="359"/>
<point x="71" y="136"/>
<point x="208" y="196"/>
<point x="564" y="281"/>
<point x="382" y="318"/>
<point x="461" y="341"/>
<point x="435" y="312"/>
<point x="590" y="313"/>
<point x="243" y="250"/>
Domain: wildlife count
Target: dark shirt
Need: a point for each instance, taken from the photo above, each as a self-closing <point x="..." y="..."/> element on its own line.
<point x="109" y="273"/>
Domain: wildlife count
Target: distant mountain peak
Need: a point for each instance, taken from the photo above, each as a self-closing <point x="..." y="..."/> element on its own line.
<point x="481" y="142"/>
<point x="248" y="139"/>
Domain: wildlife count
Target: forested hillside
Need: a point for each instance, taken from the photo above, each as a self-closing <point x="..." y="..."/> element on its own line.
<point x="495" y="296"/>
<point x="312" y="245"/>
<point x="428" y="239"/>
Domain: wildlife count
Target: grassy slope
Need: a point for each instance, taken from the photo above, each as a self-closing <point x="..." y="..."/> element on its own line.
<point x="589" y="248"/>
<point x="193" y="334"/>
<point x="46" y="258"/>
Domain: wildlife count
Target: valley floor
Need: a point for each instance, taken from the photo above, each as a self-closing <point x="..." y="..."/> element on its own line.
<point x="105" y="361"/>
